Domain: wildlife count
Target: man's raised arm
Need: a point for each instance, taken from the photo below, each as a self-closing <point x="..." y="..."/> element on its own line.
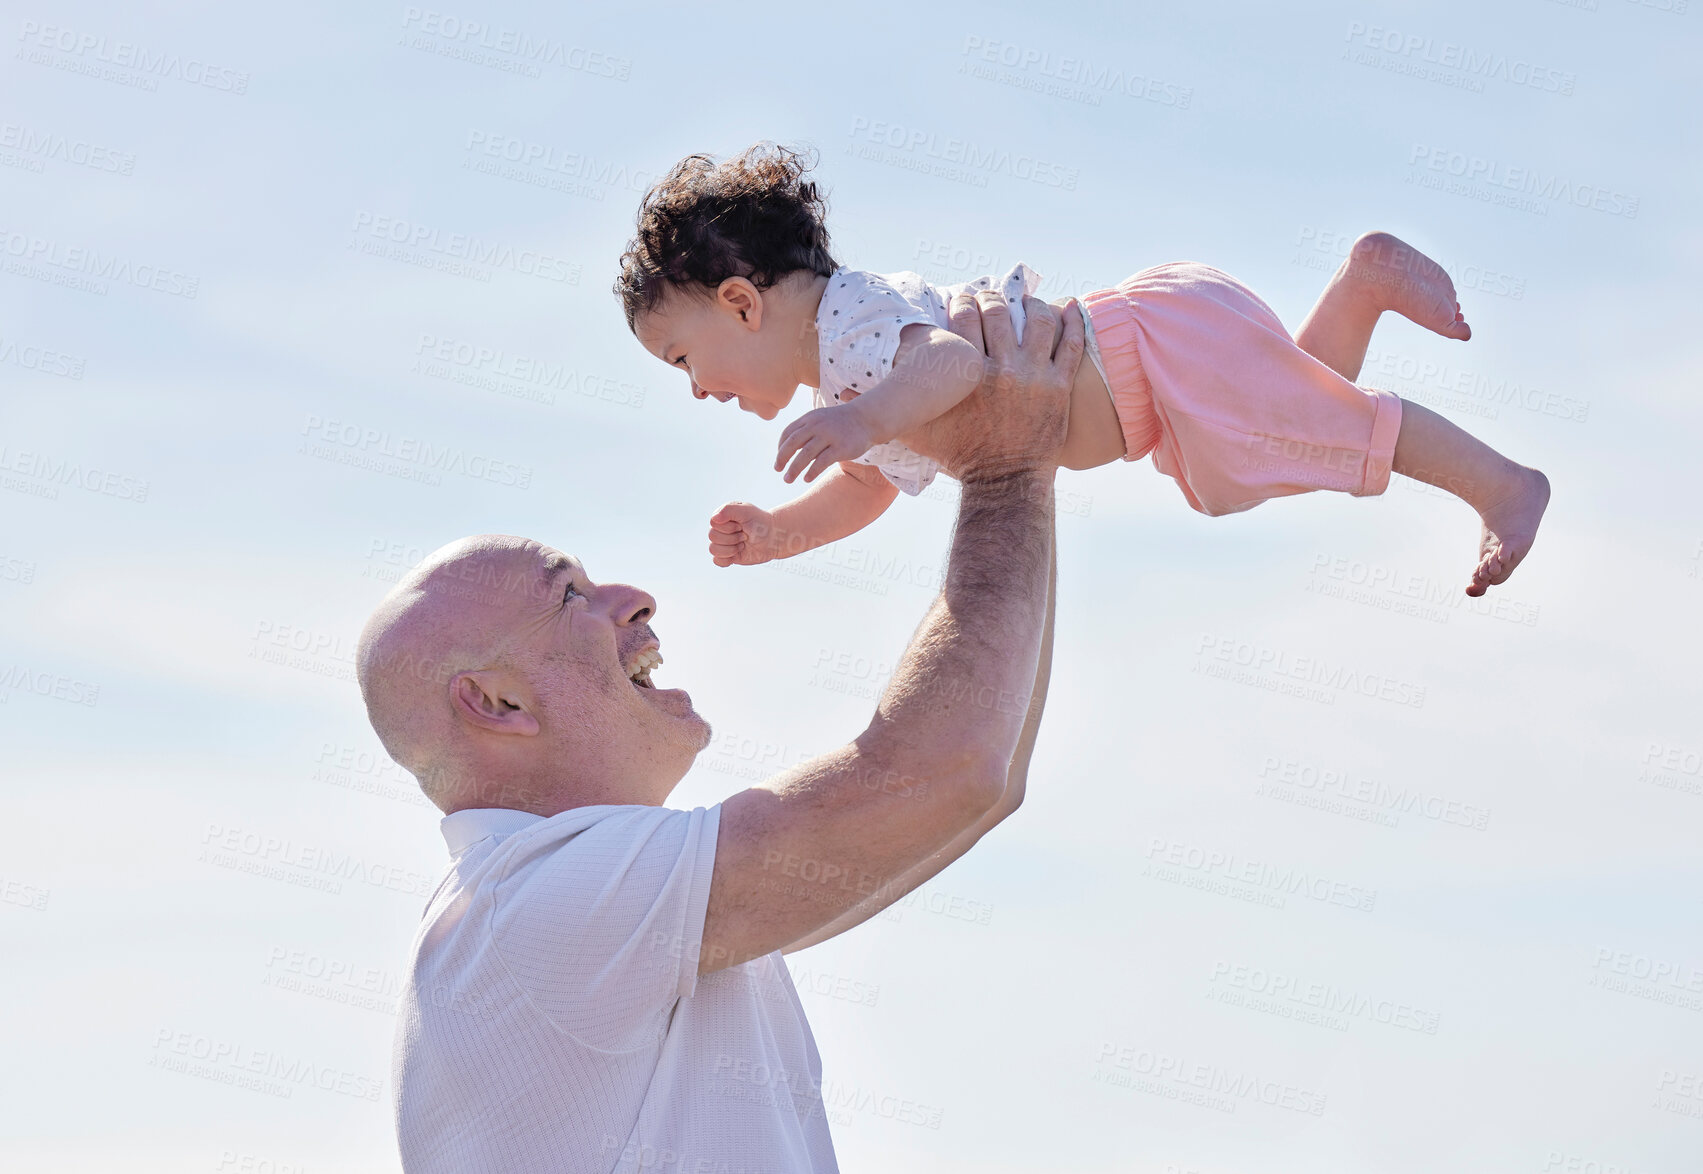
<point x="1016" y="780"/>
<point x="797" y="852"/>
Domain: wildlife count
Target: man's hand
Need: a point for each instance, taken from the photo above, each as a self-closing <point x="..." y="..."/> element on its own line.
<point x="822" y="438"/>
<point x="1017" y="419"/>
<point x="743" y="535"/>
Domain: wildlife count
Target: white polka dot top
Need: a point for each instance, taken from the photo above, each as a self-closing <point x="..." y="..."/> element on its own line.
<point x="858" y="327"/>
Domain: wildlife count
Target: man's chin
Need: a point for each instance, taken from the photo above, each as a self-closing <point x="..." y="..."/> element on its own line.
<point x="702" y="742"/>
<point x="677" y="704"/>
<point x="702" y="731"/>
<point x="695" y="737"/>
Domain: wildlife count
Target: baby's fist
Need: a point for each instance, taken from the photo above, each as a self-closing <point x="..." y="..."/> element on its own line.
<point x="742" y="535"/>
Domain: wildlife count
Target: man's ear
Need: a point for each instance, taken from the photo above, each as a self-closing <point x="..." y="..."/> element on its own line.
<point x="737" y="296"/>
<point x="480" y="699"/>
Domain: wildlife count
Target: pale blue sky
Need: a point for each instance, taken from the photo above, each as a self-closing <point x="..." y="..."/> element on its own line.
<point x="207" y="752"/>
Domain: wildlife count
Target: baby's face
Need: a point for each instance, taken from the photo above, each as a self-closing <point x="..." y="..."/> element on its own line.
<point x="722" y="352"/>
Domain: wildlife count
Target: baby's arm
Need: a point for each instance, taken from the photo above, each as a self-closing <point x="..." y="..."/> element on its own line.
<point x="844" y="502"/>
<point x="932" y="371"/>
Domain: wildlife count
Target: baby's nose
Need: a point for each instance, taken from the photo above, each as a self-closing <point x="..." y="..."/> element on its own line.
<point x="698" y="392"/>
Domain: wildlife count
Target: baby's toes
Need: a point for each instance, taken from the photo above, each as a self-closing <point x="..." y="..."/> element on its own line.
<point x="1506" y="561"/>
<point x="1482" y="575"/>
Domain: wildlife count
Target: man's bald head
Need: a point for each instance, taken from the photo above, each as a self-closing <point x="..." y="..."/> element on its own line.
<point x="447" y="616"/>
<point x="498" y="674"/>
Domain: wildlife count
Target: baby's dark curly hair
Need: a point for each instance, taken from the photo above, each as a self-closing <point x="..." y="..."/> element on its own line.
<point x="754" y="216"/>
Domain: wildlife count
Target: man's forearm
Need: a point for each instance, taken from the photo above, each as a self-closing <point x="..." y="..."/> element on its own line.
<point x="1015" y="784"/>
<point x="959" y="696"/>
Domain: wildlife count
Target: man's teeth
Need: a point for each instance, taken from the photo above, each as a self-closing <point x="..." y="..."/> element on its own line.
<point x="642" y="665"/>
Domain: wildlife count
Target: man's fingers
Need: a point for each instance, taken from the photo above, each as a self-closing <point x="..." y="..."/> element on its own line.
<point x="965" y="320"/>
<point x="1040" y="323"/>
<point x="996" y="323"/>
<point x="1073" y="338"/>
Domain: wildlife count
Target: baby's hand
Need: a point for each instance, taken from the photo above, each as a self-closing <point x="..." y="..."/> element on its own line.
<point x="822" y="438"/>
<point x="744" y="535"/>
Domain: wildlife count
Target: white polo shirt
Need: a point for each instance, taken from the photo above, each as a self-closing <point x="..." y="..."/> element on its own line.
<point x="553" y="1019"/>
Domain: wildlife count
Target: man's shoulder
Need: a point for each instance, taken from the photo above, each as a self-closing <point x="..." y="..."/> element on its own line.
<point x="585" y="875"/>
<point x="493" y="859"/>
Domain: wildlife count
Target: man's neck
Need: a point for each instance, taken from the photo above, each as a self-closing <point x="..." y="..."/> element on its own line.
<point x="496" y="786"/>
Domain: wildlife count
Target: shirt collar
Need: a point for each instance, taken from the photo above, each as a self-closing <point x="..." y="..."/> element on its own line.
<point x="464" y="828"/>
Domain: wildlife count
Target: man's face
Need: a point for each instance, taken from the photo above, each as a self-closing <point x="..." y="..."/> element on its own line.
<point x="723" y="357"/>
<point x="587" y="650"/>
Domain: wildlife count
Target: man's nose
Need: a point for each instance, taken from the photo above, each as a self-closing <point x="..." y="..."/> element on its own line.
<point x="627" y="604"/>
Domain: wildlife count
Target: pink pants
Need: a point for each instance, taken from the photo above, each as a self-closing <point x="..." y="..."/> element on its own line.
<point x="1205" y="377"/>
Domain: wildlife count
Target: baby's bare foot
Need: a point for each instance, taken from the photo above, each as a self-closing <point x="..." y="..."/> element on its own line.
<point x="1510" y="524"/>
<point x="1393" y="275"/>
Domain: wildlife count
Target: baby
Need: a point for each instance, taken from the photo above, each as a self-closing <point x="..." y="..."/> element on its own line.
<point x="730" y="279"/>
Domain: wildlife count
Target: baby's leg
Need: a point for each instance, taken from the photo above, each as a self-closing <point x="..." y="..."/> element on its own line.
<point x="1510" y="498"/>
<point x="1384" y="273"/>
<point x="1236" y="416"/>
<point x="1381" y="273"/>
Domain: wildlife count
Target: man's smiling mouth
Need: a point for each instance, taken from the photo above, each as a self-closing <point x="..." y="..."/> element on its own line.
<point x="639" y="668"/>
